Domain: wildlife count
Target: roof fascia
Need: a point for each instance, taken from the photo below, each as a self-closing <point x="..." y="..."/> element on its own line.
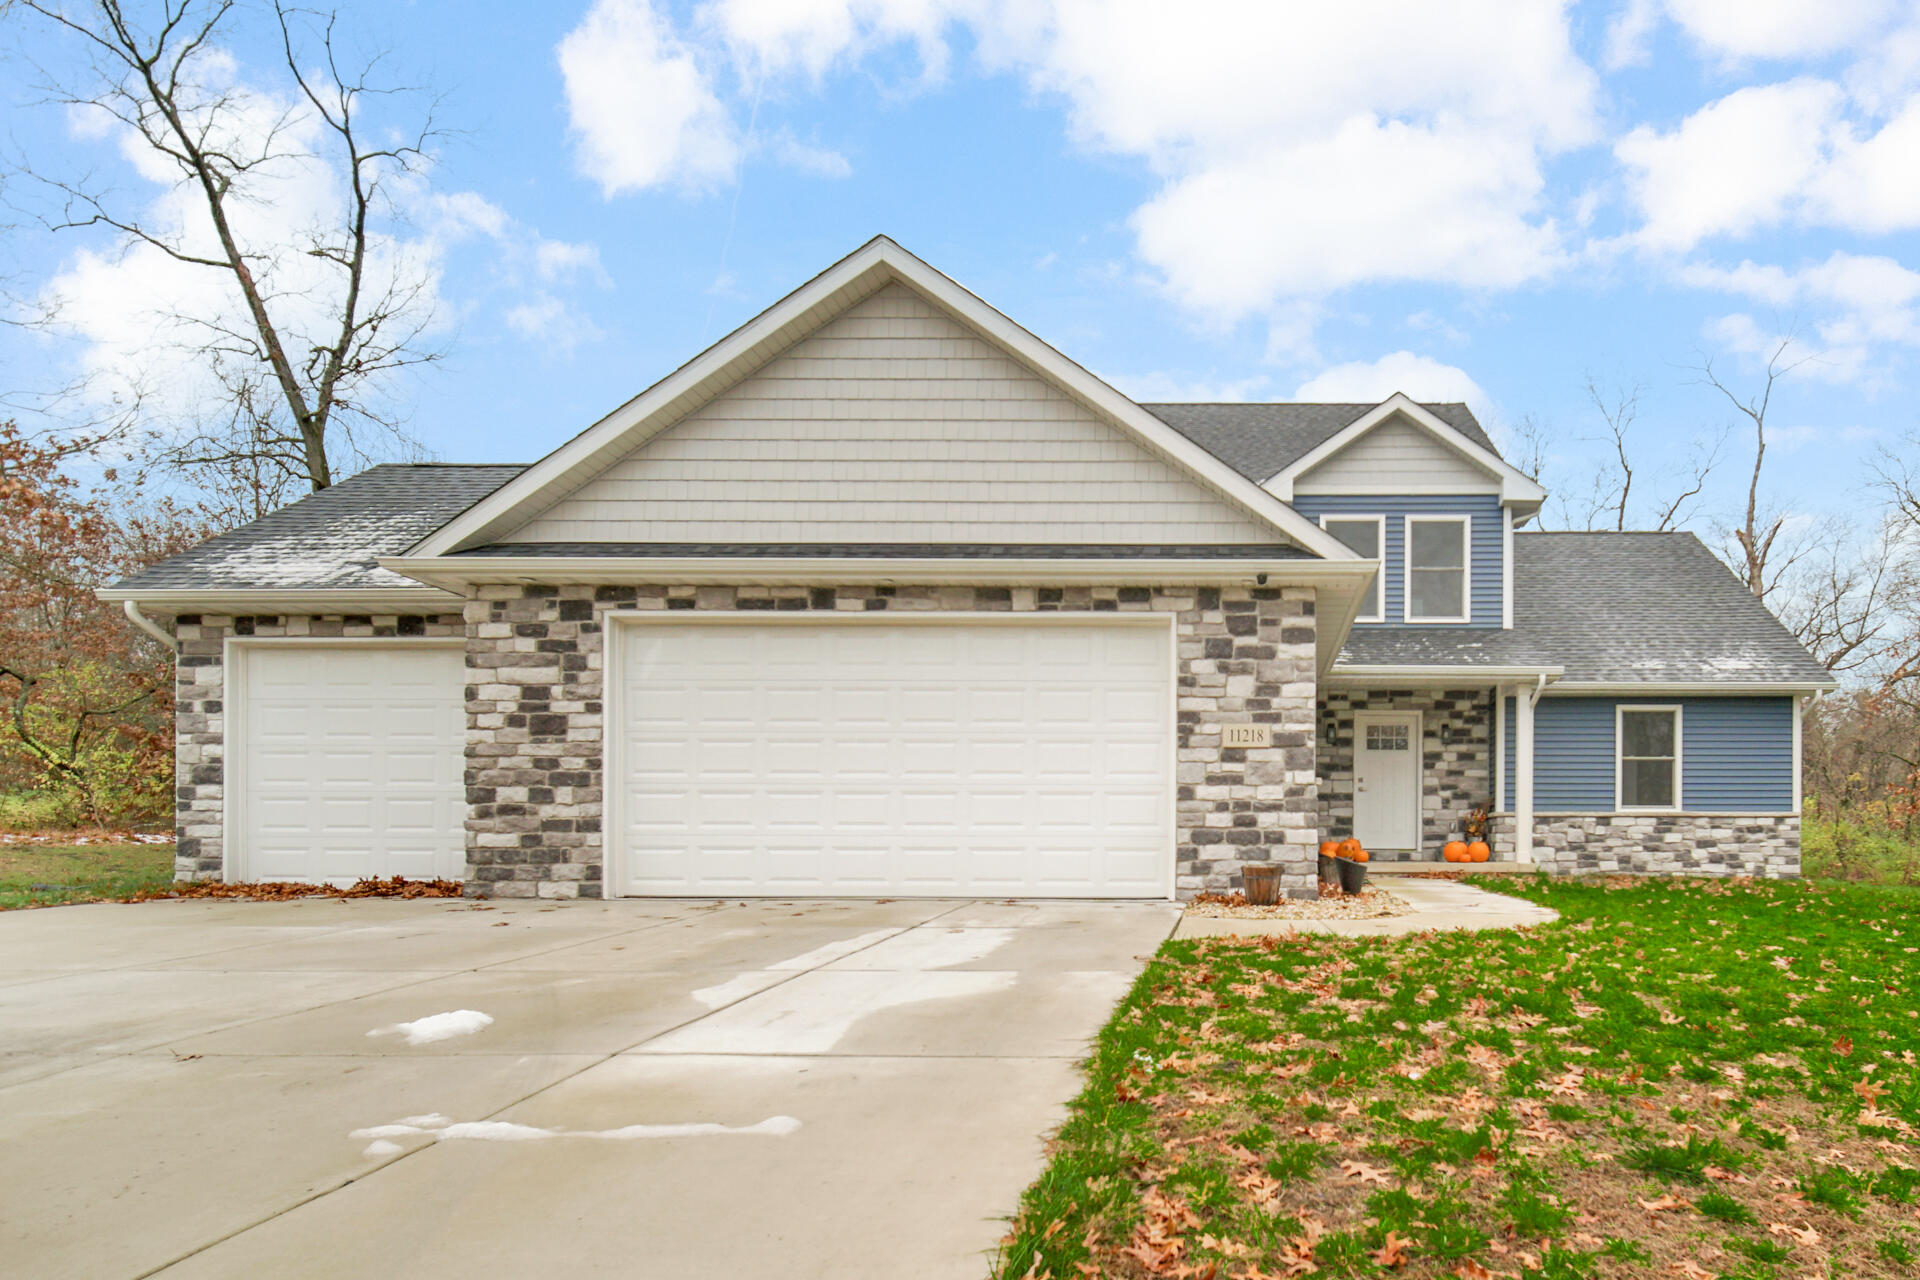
<point x="172" y="600"/>
<point x="1698" y="688"/>
<point x="859" y="275"/>
<point x="1515" y="486"/>
<point x="1387" y="673"/>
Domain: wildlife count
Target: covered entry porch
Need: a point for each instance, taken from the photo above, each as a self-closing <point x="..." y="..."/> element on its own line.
<point x="1407" y="755"/>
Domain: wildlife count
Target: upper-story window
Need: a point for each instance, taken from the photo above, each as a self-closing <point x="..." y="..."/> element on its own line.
<point x="1438" y="569"/>
<point x="1367" y="536"/>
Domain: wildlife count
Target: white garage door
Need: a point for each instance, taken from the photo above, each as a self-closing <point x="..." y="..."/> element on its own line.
<point x="895" y="758"/>
<point x="349" y="762"/>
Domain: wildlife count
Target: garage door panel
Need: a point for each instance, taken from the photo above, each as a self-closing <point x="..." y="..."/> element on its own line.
<point x="349" y="762"/>
<point x="895" y="757"/>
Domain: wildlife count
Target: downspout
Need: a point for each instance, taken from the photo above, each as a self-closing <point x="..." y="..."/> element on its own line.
<point x="148" y="625"/>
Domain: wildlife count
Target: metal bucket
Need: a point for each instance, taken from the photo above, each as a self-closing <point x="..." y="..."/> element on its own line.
<point x="1352" y="875"/>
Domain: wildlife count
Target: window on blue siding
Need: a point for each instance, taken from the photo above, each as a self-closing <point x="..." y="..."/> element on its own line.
<point x="1363" y="535"/>
<point x="1436" y="569"/>
<point x="1649" y="768"/>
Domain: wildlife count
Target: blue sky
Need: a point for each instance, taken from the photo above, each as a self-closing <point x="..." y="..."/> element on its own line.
<point x="1203" y="201"/>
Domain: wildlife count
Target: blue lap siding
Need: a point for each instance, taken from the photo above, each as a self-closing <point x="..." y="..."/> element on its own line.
<point x="1487" y="544"/>
<point x="1736" y="754"/>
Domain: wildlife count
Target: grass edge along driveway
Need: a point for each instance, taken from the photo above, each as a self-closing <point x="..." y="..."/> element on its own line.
<point x="1686" y="1078"/>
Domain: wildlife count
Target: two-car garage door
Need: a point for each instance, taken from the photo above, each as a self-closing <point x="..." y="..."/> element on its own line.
<point x="928" y="757"/>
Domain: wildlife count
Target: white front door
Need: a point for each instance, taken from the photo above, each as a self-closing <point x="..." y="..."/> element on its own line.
<point x="1386" y="779"/>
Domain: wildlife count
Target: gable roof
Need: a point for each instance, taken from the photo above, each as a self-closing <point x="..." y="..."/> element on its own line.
<point x="734" y="358"/>
<point x="330" y="540"/>
<point x="1260" y="439"/>
<point x="1612" y="609"/>
<point x="1516" y="487"/>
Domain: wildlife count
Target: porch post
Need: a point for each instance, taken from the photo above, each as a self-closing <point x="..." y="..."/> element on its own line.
<point x="1523" y="774"/>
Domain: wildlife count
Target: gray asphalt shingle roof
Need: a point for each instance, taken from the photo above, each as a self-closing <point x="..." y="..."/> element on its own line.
<point x="330" y="540"/>
<point x="1259" y="440"/>
<point x="1615" y="608"/>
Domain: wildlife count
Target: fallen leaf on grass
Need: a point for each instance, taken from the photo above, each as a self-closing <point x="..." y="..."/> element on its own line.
<point x="1362" y="1171"/>
<point x="1393" y="1253"/>
<point x="1663" y="1203"/>
<point x="1799" y="1235"/>
<point x="1691" y="1270"/>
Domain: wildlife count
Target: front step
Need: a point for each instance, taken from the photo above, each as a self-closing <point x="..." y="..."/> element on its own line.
<point x="1467" y="868"/>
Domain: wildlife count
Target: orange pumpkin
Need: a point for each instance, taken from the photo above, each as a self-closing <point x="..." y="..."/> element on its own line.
<point x="1478" y="851"/>
<point x="1329" y="848"/>
<point x="1349" y="848"/>
<point x="1455" y="851"/>
<point x="1360" y="855"/>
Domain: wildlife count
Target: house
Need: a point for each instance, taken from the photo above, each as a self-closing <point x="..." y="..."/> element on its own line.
<point x="882" y="595"/>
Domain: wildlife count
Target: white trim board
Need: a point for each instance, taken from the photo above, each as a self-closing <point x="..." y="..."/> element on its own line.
<point x="855" y="277"/>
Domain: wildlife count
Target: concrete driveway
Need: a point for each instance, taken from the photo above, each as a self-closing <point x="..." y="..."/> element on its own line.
<point x="693" y="1089"/>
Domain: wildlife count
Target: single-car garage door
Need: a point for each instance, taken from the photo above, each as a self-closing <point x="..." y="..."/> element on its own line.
<point x="861" y="757"/>
<point x="348" y="761"/>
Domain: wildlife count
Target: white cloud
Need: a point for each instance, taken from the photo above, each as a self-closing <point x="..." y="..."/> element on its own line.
<point x="1773" y="154"/>
<point x="1740" y="29"/>
<point x="1734" y="165"/>
<point x="1854" y="304"/>
<point x="1298" y="150"/>
<point x="1420" y="377"/>
<point x="803" y="157"/>
<point x="642" y="109"/>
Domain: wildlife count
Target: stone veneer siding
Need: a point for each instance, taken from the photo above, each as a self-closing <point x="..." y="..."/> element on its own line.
<point x="1759" y="844"/>
<point x="200" y="714"/>
<point x="1455" y="776"/>
<point x="535" y="718"/>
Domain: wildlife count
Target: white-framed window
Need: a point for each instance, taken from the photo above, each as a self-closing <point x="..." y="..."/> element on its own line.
<point x="1646" y="748"/>
<point x="1367" y="536"/>
<point x="1439" y="569"/>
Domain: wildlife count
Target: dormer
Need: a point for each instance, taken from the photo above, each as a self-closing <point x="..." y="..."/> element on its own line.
<point x="1423" y="489"/>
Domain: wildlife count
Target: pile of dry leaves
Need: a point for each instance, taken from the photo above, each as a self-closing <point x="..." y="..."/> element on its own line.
<point x="283" y="890"/>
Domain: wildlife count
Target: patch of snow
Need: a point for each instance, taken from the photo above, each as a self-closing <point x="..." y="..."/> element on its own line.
<point x="930" y="948"/>
<point x="737" y="988"/>
<point x="438" y="1026"/>
<point x="825" y="1006"/>
<point x="507" y="1131"/>
<point x="831" y="951"/>
<point x="381" y="1147"/>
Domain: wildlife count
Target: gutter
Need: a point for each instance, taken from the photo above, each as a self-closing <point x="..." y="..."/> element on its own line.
<point x="448" y="571"/>
<point x="177" y="600"/>
<point x="132" y="610"/>
<point x="1779" y="687"/>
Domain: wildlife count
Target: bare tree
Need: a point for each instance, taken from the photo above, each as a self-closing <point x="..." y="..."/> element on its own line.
<point x="1604" y="496"/>
<point x="1760" y="567"/>
<point x="325" y="315"/>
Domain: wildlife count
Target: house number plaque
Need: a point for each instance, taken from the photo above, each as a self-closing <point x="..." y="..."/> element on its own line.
<point x="1246" y="735"/>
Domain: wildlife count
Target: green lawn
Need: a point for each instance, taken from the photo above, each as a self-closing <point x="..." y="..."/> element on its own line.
<point x="1687" y="1079"/>
<point x="42" y="875"/>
